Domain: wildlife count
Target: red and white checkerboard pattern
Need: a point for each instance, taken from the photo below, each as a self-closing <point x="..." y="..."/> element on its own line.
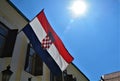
<point x="46" y="42"/>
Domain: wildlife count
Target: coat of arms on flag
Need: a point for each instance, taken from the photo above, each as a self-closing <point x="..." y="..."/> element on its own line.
<point x="47" y="41"/>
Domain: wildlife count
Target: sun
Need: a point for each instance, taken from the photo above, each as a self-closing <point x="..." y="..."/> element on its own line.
<point x="78" y="7"/>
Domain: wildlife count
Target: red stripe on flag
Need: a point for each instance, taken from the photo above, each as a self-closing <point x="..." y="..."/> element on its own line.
<point x="57" y="41"/>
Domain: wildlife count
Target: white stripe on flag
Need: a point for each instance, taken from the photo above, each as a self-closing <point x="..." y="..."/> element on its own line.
<point x="57" y="57"/>
<point x="38" y="29"/>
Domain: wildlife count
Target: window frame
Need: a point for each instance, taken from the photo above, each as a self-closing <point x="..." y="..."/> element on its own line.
<point x="9" y="42"/>
<point x="56" y="78"/>
<point x="33" y="69"/>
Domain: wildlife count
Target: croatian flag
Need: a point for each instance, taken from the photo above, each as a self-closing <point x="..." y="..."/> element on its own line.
<point x="47" y="44"/>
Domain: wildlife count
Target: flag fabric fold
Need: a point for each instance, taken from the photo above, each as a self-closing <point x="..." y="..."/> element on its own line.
<point x="47" y="44"/>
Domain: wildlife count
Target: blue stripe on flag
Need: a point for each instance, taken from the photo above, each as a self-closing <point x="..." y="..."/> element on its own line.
<point x="45" y="56"/>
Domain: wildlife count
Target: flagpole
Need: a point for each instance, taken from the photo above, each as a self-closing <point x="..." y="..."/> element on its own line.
<point x="22" y="28"/>
<point x="19" y="31"/>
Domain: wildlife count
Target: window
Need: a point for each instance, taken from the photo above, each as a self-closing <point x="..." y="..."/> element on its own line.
<point x="7" y="40"/>
<point x="55" y="78"/>
<point x="68" y="77"/>
<point x="34" y="64"/>
<point x="63" y="77"/>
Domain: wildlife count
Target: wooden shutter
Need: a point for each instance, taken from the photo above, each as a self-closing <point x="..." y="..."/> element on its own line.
<point x="38" y="66"/>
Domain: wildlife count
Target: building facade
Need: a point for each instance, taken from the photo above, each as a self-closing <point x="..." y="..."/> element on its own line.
<point x="18" y="60"/>
<point x="115" y="76"/>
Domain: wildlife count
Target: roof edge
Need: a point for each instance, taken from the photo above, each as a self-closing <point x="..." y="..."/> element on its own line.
<point x="80" y="71"/>
<point x="11" y="4"/>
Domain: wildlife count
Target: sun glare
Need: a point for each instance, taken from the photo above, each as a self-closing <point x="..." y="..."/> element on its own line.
<point x="78" y="7"/>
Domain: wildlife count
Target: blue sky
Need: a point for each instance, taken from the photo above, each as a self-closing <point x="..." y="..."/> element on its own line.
<point x="92" y="39"/>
